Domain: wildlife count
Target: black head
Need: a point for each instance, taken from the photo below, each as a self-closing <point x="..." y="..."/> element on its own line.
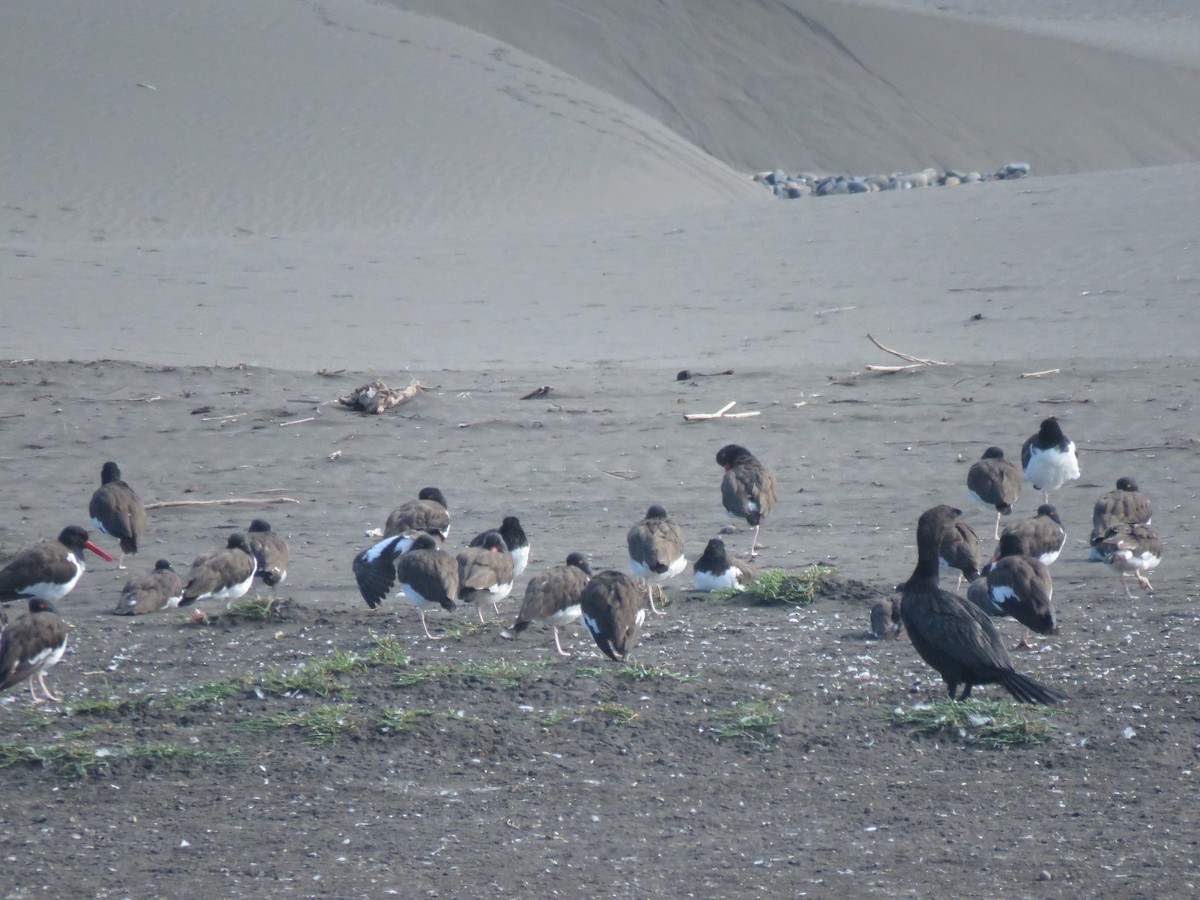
<point x="1051" y="432"/>
<point x="260" y="526"/>
<point x="237" y="541"/>
<point x="1050" y="511"/>
<point x="74" y="538"/>
<point x="731" y="455"/>
<point x="110" y="472"/>
<point x="1126" y="483"/>
<point x="432" y="493"/>
<point x="163" y="566"/>
<point x="579" y="560"/>
<point x="40" y="605"/>
<point x="993" y="453"/>
<point x="656" y="512"/>
<point x="423" y="541"/>
<point x="492" y="540"/>
<point x="715" y="549"/>
<point x="1011" y="544"/>
<point x="512" y="531"/>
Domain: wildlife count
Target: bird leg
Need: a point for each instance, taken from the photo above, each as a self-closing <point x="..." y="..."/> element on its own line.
<point x="1143" y="581"/>
<point x="1125" y="584"/>
<point x="561" y="651"/>
<point x="1024" y="644"/>
<point x="426" y="627"/>
<point x="650" y="595"/>
<point x="753" y="554"/>
<point x="121" y="561"/>
<point x="496" y="606"/>
<point x="50" y="695"/>
<point x="997" y="526"/>
<point x="479" y="610"/>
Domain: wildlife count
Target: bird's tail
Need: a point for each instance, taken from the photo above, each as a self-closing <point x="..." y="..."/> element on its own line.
<point x="1026" y="690"/>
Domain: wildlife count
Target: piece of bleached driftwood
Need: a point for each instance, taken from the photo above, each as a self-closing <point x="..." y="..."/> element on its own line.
<point x="905" y="356"/>
<point x="1040" y="374"/>
<point x="887" y="369"/>
<point x="722" y="413"/>
<point x="376" y="397"/>
<point x="232" y="501"/>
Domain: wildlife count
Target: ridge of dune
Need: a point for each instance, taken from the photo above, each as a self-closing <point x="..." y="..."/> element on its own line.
<point x="148" y="118"/>
<point x="838" y="86"/>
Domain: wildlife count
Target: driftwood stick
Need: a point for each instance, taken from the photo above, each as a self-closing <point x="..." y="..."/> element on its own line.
<point x="1040" y="374"/>
<point x="907" y="356"/>
<point x="890" y="369"/>
<point x="297" y="421"/>
<point x="232" y="501"/>
<point x="722" y="413"/>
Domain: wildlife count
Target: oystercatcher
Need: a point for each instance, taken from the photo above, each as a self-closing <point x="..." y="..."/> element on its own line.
<point x="155" y="590"/>
<point x="270" y="552"/>
<point x="428" y="512"/>
<point x="747" y="489"/>
<point x="223" y="574"/>
<point x="428" y="577"/>
<point x="485" y="574"/>
<point x="1131" y="550"/>
<point x="1048" y="458"/>
<point x="514" y="539"/>
<point x="612" y="609"/>
<point x="30" y="646"/>
<point x="994" y="483"/>
<point x="953" y="636"/>
<point x="715" y="571"/>
<point x="1125" y="504"/>
<point x="656" y="550"/>
<point x="49" y="569"/>
<point x="553" y="596"/>
<point x="117" y="510"/>
<point x="960" y="549"/>
<point x="1041" y="537"/>
<point x="1019" y="585"/>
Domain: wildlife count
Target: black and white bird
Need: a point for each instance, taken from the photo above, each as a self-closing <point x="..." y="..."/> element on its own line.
<point x="1127" y="504"/>
<point x="1017" y="585"/>
<point x="994" y="482"/>
<point x="485" y="574"/>
<point x="960" y="549"/>
<point x="429" y="512"/>
<point x="428" y="577"/>
<point x="158" y="589"/>
<point x="270" y="552"/>
<point x="375" y="567"/>
<point x="613" y="609"/>
<point x="31" y="646"/>
<point x="1048" y="458"/>
<point x="221" y="575"/>
<point x="1131" y="550"/>
<point x="49" y="569"/>
<point x="553" y="597"/>
<point x="748" y="489"/>
<point x="953" y="636"/>
<point x="118" y="511"/>
<point x="514" y="539"/>
<point x="656" y="552"/>
<point x="1042" y="537"/>
<point x="715" y="571"/>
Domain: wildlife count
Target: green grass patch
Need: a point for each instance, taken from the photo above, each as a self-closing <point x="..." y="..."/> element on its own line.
<point x="259" y="608"/>
<point x="321" y="725"/>
<point x="501" y="671"/>
<point x="395" y="721"/>
<point x="463" y="628"/>
<point x="753" y="722"/>
<point x="632" y="671"/>
<point x="779" y="586"/>
<point x="77" y="758"/>
<point x="617" y="713"/>
<point x="191" y="696"/>
<point x="385" y="651"/>
<point x="991" y="723"/>
<point x="104" y="706"/>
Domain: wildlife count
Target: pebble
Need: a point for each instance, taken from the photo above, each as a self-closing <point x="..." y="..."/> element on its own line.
<point x="792" y="186"/>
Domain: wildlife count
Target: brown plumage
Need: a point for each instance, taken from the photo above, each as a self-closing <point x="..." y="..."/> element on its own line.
<point x="994" y="483"/>
<point x="223" y="574"/>
<point x="485" y="574"/>
<point x="1017" y="585"/>
<point x="553" y="597"/>
<point x="32" y="645"/>
<point x="655" y="550"/>
<point x="1041" y="537"/>
<point x="953" y="636"/>
<point x="613" y="609"/>
<point x="748" y="488"/>
<point x="49" y="569"/>
<point x="428" y="512"/>
<point x="886" y="624"/>
<point x="155" y="590"/>
<point x="1127" y="504"/>
<point x="117" y="510"/>
<point x="1131" y="550"/>
<point x="270" y="551"/>
<point x="428" y="577"/>
<point x="960" y="549"/>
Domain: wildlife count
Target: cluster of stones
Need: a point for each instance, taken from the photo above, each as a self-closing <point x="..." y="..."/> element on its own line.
<point x="808" y="184"/>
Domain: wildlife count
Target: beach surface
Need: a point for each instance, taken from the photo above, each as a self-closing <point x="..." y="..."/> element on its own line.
<point x="217" y="219"/>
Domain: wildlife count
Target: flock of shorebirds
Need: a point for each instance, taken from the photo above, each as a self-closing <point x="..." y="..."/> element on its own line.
<point x="954" y="635"/>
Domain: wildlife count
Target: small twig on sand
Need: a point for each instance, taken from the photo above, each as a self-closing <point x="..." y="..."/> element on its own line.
<point x="540" y="392"/>
<point x="889" y="369"/>
<point x="233" y="501"/>
<point x="912" y="359"/>
<point x="688" y="374"/>
<point x="722" y="413"/>
<point x="1040" y="374"/>
<point x="297" y="421"/>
